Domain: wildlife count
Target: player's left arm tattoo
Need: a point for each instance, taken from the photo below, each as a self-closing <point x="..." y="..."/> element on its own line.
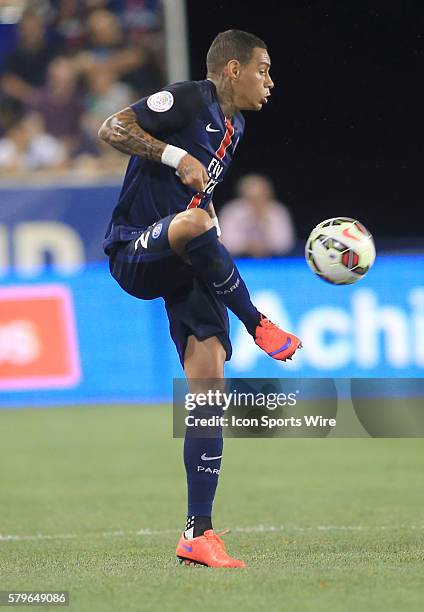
<point x="122" y="132"/>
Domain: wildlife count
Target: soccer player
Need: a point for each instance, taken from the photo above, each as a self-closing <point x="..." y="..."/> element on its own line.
<point x="163" y="240"/>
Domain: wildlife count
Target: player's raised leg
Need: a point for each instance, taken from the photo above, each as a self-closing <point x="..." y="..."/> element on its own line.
<point x="203" y="364"/>
<point x="192" y="235"/>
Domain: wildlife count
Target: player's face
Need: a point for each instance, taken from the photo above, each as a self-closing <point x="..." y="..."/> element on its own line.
<point x="253" y="87"/>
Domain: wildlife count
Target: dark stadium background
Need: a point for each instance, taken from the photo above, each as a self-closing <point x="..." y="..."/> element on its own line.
<point x="342" y="134"/>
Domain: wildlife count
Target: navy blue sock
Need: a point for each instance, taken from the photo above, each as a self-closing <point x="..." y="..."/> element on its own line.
<point x="213" y="263"/>
<point x="202" y="459"/>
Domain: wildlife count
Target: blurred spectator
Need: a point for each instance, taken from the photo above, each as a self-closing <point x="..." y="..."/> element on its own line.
<point x="105" y="34"/>
<point x="255" y="224"/>
<point x="104" y="97"/>
<point x="137" y="17"/>
<point x="106" y="47"/>
<point x="69" y="23"/>
<point x="75" y="63"/>
<point x="142" y="20"/>
<point x="11" y="111"/>
<point x="25" y="146"/>
<point x="60" y="104"/>
<point x="25" y="67"/>
<point x="140" y="16"/>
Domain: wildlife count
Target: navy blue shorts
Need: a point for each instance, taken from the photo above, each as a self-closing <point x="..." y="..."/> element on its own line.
<point x="147" y="268"/>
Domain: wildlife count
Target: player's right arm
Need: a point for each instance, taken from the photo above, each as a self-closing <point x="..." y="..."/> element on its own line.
<point x="123" y="132"/>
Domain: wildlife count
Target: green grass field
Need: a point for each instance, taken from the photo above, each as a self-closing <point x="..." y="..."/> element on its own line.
<point x="95" y="498"/>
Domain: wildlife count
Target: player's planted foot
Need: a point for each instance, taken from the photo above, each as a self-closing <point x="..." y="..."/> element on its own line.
<point x="207" y="549"/>
<point x="279" y="344"/>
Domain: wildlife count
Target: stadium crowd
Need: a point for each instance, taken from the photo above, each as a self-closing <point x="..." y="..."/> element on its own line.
<point x="72" y="63"/>
<point x="255" y="223"/>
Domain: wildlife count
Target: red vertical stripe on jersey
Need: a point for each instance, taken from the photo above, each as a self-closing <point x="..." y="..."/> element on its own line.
<point x="195" y="201"/>
<point x="220" y="154"/>
<point x="226" y="141"/>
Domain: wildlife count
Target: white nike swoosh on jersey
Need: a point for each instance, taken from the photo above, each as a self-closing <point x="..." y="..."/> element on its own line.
<point x="204" y="457"/>
<point x="209" y="128"/>
<point x="226" y="280"/>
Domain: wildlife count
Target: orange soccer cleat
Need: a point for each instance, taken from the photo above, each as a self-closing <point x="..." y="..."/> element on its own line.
<point x="207" y="549"/>
<point x="279" y="344"/>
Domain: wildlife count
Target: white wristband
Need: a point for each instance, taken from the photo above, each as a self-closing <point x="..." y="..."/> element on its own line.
<point x="216" y="224"/>
<point x="172" y="156"/>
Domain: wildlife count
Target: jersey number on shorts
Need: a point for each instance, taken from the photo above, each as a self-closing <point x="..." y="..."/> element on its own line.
<point x="142" y="241"/>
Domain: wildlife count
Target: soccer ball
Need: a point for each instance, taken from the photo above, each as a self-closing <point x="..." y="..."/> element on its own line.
<point x="340" y="250"/>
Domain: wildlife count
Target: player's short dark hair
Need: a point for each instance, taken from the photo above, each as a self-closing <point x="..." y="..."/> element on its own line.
<point x="232" y="44"/>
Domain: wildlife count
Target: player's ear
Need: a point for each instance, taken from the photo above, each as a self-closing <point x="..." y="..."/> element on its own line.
<point x="233" y="69"/>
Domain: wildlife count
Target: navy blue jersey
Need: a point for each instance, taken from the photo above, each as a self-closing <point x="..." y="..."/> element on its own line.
<point x="186" y="115"/>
